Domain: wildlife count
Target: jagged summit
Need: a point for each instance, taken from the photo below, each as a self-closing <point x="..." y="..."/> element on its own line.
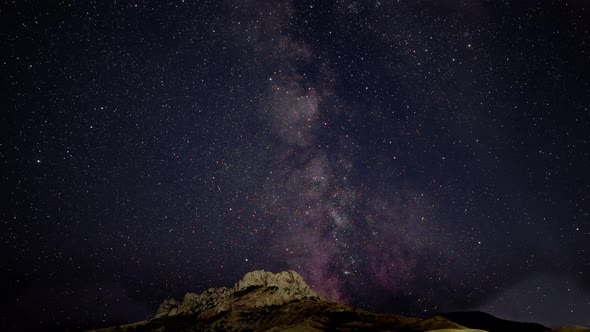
<point x="289" y="281"/>
<point x="256" y="289"/>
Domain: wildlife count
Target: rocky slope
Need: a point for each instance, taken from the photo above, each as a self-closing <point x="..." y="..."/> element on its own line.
<point x="258" y="289"/>
<point x="265" y="301"/>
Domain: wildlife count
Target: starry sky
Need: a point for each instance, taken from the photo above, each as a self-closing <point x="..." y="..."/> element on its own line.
<point x="403" y="156"/>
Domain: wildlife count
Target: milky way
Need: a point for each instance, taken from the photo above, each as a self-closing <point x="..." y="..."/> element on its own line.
<point x="332" y="228"/>
<point x="403" y="156"/>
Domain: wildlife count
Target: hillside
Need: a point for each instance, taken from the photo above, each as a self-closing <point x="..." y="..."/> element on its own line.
<point x="265" y="301"/>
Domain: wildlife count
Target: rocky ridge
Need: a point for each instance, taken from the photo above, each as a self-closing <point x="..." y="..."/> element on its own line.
<point x="277" y="288"/>
<point x="272" y="302"/>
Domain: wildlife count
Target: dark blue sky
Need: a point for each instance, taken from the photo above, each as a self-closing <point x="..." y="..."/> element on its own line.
<point x="403" y="156"/>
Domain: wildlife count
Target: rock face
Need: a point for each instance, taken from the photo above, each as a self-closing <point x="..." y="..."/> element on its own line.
<point x="289" y="281"/>
<point x="168" y="307"/>
<point x="256" y="289"/>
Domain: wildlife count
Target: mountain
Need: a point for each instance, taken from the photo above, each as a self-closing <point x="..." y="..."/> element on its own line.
<point x="273" y="302"/>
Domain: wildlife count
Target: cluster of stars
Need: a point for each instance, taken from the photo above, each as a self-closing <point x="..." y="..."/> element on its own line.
<point x="412" y="157"/>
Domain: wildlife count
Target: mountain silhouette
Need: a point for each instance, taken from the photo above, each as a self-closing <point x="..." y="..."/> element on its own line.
<point x="273" y="302"/>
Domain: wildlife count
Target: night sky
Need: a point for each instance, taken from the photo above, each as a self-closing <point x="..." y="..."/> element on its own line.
<point x="403" y="156"/>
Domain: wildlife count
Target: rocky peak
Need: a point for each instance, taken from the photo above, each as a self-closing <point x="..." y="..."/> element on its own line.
<point x="256" y="289"/>
<point x="287" y="280"/>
